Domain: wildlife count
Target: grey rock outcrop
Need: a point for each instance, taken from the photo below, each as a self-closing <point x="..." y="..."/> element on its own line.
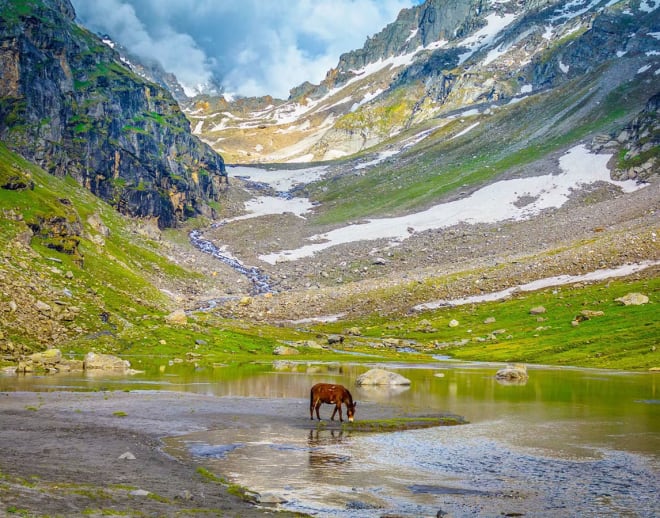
<point x="69" y="104"/>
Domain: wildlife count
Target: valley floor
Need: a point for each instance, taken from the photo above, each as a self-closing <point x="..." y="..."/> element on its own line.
<point x="599" y="228"/>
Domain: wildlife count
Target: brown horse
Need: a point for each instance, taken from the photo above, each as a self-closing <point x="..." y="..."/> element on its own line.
<point x="334" y="395"/>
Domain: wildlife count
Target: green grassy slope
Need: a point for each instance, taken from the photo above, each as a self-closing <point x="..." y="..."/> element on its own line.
<point x="506" y="139"/>
<point x="622" y="337"/>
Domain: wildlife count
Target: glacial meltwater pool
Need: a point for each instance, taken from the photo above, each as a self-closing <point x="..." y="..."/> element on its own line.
<point x="569" y="442"/>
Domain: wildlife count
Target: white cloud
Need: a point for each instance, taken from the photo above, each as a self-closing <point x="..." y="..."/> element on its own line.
<point x="255" y="47"/>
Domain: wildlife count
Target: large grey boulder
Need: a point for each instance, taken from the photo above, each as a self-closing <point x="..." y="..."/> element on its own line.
<point x="381" y="377"/>
<point x="513" y="374"/>
<point x="105" y="362"/>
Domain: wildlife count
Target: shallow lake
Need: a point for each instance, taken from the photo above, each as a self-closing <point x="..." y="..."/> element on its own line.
<point x="569" y="442"/>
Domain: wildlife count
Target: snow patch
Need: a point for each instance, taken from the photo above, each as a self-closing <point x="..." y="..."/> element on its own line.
<point x="466" y="130"/>
<point x="269" y="205"/>
<point x="282" y="180"/>
<point x="485" y="36"/>
<point x="499" y="201"/>
<point x="559" y="280"/>
<point x="648" y="6"/>
<point x="573" y="9"/>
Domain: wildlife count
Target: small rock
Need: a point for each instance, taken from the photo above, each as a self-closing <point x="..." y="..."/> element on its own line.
<point x="185" y="495"/>
<point x="177" y="317"/>
<point x="453" y="323"/>
<point x="127" y="456"/>
<point x="270" y="498"/>
<point x="633" y="299"/>
<point x="42" y="307"/>
<point x="283" y="350"/>
<point x="140" y="492"/>
<point x="588" y="313"/>
<point x="516" y="373"/>
<point x="538" y="310"/>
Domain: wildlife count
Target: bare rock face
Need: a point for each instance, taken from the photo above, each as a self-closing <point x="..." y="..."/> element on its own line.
<point x="639" y="142"/>
<point x="124" y="139"/>
<point x="381" y="377"/>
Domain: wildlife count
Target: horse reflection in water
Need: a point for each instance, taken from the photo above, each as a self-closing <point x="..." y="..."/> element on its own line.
<point x="331" y="394"/>
<point x="318" y="456"/>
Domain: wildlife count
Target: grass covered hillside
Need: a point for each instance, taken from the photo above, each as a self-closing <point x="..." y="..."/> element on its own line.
<point x="78" y="276"/>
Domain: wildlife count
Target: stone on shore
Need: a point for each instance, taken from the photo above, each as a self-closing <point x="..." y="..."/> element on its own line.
<point x="516" y="373"/>
<point x="105" y="362"/>
<point x="381" y="377"/>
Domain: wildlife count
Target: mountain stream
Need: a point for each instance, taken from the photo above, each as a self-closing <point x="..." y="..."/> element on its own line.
<point x="260" y="281"/>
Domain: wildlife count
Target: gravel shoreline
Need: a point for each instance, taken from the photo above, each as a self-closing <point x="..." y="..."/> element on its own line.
<point x="99" y="453"/>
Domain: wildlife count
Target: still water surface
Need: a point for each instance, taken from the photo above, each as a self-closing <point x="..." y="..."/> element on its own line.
<point x="570" y="442"/>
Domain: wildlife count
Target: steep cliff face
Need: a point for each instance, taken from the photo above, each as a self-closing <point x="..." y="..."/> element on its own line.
<point x="69" y="104"/>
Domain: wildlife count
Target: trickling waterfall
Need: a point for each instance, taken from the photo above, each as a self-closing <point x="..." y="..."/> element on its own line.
<point x="260" y="281"/>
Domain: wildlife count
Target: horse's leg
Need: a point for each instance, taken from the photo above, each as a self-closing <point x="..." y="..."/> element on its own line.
<point x="333" y="414"/>
<point x="338" y="408"/>
<point x="318" y="405"/>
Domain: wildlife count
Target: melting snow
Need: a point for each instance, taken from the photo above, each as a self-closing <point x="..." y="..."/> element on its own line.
<point x="486" y="35"/>
<point x="466" y="130"/>
<point x="648" y="6"/>
<point x="266" y="205"/>
<point x="560" y="280"/>
<point x="282" y="180"/>
<point x="495" y="202"/>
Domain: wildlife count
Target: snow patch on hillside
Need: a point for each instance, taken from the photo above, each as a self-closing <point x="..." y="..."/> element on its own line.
<point x="282" y="180"/>
<point x="559" y="280"/>
<point x="515" y="199"/>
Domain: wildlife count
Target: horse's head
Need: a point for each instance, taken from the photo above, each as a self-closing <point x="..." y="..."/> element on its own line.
<point x="350" y="410"/>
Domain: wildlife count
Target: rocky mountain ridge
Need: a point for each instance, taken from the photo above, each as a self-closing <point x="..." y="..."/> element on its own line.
<point x="435" y="61"/>
<point x="68" y="103"/>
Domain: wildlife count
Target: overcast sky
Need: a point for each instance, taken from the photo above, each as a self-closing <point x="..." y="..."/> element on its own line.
<point x="253" y="47"/>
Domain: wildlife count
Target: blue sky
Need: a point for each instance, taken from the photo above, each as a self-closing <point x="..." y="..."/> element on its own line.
<point x="252" y="47"/>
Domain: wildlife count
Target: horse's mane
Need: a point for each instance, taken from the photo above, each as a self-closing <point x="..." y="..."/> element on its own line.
<point x="350" y="396"/>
